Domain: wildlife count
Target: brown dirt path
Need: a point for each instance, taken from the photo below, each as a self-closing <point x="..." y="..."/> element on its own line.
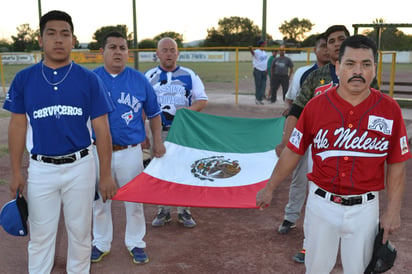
<point x="225" y="240"/>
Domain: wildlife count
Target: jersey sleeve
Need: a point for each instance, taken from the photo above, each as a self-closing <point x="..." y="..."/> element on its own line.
<point x="101" y="100"/>
<point x="300" y="138"/>
<point x="399" y="148"/>
<point x="306" y="90"/>
<point x="14" y="101"/>
<point x="151" y="107"/>
<point x="291" y="63"/>
<point x="198" y="89"/>
<point x="294" y="87"/>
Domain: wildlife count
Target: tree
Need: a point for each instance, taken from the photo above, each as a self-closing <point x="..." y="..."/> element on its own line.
<point x="147" y="44"/>
<point x="26" y="39"/>
<point x="5" y="45"/>
<point x="295" y="29"/>
<point x="390" y="38"/>
<point x="309" y="41"/>
<point x="176" y="36"/>
<point x="233" y="31"/>
<point x="99" y="35"/>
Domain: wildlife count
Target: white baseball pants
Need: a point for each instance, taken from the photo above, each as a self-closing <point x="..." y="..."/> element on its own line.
<point x="329" y="226"/>
<point x="50" y="186"/>
<point x="126" y="164"/>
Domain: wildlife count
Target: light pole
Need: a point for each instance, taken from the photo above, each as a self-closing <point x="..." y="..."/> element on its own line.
<point x="39" y="6"/>
<point x="264" y="21"/>
<point x="136" y="53"/>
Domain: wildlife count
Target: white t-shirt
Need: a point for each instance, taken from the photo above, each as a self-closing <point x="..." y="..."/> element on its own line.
<point x="260" y="59"/>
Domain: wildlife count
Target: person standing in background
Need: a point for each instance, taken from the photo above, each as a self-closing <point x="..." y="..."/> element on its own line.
<point x="259" y="70"/>
<point x="176" y="87"/>
<point x="298" y="185"/>
<point x="281" y="71"/>
<point x="269" y="69"/>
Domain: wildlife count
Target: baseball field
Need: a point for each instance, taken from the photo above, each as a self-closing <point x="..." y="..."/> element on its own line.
<point x="225" y="240"/>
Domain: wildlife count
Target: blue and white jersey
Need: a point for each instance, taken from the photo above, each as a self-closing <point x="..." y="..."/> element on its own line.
<point x="131" y="92"/>
<point x="59" y="104"/>
<point x="298" y="78"/>
<point x="175" y="89"/>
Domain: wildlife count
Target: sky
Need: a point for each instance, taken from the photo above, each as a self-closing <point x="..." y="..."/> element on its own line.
<point x="193" y="18"/>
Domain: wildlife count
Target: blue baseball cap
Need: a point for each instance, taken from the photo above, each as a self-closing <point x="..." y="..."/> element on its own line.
<point x="13" y="217"/>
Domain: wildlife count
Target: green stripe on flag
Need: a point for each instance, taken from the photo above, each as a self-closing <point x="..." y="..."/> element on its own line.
<point x="225" y="134"/>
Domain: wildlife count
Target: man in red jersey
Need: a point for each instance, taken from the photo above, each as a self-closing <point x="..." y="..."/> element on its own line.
<point x="354" y="131"/>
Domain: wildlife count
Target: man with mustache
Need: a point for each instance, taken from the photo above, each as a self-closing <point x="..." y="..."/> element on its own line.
<point x="316" y="83"/>
<point x="356" y="133"/>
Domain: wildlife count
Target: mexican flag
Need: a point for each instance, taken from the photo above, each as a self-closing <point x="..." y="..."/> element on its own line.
<point x="210" y="161"/>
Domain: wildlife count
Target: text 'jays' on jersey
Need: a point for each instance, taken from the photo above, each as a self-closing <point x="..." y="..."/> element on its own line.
<point x="131" y="93"/>
<point x="175" y="89"/>
<point x="59" y="115"/>
<point x="350" y="144"/>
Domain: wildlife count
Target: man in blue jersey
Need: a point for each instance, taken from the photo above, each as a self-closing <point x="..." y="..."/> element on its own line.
<point x="176" y="87"/>
<point x="132" y="94"/>
<point x="54" y="106"/>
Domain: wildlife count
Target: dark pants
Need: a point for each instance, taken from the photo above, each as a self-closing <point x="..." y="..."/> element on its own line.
<point x="260" y="83"/>
<point x="275" y="82"/>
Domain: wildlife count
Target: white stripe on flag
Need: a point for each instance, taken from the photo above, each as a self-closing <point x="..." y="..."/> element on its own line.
<point x="177" y="166"/>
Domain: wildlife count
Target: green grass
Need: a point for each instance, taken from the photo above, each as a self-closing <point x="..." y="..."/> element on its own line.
<point x="221" y="72"/>
<point x="4" y="113"/>
<point x="4" y="150"/>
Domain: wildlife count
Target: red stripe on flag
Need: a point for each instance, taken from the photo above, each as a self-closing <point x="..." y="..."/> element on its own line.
<point x="151" y="190"/>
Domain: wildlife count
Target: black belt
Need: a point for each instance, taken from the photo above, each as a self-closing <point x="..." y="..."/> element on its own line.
<point x="119" y="147"/>
<point x="60" y="160"/>
<point x="355" y="200"/>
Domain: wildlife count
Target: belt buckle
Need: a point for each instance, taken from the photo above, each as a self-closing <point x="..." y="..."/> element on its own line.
<point x="337" y="199"/>
<point x="71" y="157"/>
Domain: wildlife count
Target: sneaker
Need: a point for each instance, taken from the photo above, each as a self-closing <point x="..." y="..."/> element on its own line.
<point x="186" y="219"/>
<point x="300" y="256"/>
<point x="286" y="226"/>
<point x="139" y="256"/>
<point x="161" y="218"/>
<point x="97" y="255"/>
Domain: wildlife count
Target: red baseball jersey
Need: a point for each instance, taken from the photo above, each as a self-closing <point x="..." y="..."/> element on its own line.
<point x="350" y="144"/>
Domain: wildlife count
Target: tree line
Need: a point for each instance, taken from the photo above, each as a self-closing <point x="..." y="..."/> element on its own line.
<point x="231" y="32"/>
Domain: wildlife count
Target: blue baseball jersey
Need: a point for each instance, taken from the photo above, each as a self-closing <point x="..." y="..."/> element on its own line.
<point x="131" y="93"/>
<point x="175" y="89"/>
<point x="59" y="105"/>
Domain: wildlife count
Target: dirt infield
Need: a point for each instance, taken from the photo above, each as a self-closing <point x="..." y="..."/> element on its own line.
<point x="225" y="240"/>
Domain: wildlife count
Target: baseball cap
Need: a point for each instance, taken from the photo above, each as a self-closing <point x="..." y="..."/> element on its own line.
<point x="261" y="42"/>
<point x="13" y="217"/>
<point x="383" y="257"/>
